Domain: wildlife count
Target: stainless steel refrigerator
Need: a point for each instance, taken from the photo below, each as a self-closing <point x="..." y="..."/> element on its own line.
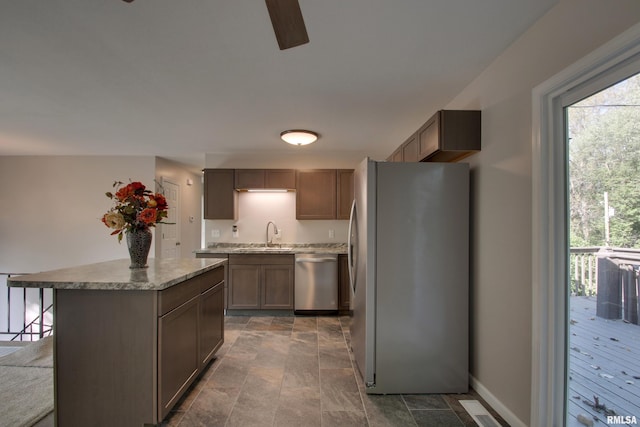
<point x="409" y="268"/>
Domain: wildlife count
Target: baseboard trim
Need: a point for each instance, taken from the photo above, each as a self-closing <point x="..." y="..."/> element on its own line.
<point x="496" y="404"/>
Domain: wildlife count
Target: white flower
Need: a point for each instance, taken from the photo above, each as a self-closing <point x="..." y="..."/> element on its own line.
<point x="114" y="220"/>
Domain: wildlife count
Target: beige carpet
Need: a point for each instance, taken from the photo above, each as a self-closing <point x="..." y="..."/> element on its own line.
<point x="26" y="384"/>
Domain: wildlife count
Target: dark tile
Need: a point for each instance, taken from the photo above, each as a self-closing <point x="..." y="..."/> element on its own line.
<point x="301" y="371"/>
<point x="172" y="420"/>
<point x="343" y="418"/>
<point x="309" y="337"/>
<point x="342" y="379"/>
<point x="305" y="324"/>
<point x="235" y="323"/>
<point x="303" y="344"/>
<point x="257" y="402"/>
<point x="425" y="401"/>
<point x="298" y="407"/>
<point x="259" y="323"/>
<point x="387" y="410"/>
<point x="239" y="320"/>
<point x="339" y="391"/>
<point x="231" y="373"/>
<point x="211" y="408"/>
<point x="330" y="331"/>
<point x="283" y="320"/>
<point x="273" y="352"/>
<point x="436" y="418"/>
<point x="291" y="371"/>
<point x="246" y="346"/>
<point x="264" y="379"/>
<point x="332" y="356"/>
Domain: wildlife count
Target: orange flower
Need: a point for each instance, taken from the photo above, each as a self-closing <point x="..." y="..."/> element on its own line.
<point x="148" y="215"/>
<point x="160" y="201"/>
<point x="131" y="190"/>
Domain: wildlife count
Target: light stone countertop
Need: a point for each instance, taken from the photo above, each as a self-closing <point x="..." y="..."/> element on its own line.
<point x="116" y="275"/>
<point x="284" y="248"/>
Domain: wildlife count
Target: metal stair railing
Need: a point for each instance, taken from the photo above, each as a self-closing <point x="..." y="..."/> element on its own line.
<point x="17" y="320"/>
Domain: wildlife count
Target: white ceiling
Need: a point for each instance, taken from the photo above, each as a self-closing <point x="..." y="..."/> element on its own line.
<point x="181" y="78"/>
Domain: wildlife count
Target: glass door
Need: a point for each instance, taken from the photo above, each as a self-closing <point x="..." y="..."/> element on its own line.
<point x="602" y="322"/>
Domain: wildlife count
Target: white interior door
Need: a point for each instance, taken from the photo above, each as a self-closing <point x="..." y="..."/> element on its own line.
<point x="170" y="233"/>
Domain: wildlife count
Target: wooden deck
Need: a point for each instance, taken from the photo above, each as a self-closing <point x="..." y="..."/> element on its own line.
<point x="604" y="357"/>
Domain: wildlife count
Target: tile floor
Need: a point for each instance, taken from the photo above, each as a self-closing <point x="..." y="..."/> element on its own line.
<point x="297" y="371"/>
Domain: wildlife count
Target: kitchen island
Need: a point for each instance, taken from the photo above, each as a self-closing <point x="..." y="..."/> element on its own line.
<point x="129" y="342"/>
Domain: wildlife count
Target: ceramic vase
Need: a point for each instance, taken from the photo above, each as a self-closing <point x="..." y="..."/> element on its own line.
<point x="139" y="244"/>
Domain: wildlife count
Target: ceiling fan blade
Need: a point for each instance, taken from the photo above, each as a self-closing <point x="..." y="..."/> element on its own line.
<point x="288" y="24"/>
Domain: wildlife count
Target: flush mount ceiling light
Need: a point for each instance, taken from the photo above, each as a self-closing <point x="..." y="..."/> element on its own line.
<point x="298" y="136"/>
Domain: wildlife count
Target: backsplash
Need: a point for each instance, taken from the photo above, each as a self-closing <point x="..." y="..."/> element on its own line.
<point x="255" y="210"/>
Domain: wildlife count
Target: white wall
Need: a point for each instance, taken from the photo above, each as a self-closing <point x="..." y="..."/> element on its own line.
<point x="501" y="297"/>
<point x="51" y="209"/>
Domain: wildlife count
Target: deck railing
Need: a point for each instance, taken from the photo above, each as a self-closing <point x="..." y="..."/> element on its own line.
<point x="610" y="274"/>
<point x="25" y="314"/>
<point x="584" y="270"/>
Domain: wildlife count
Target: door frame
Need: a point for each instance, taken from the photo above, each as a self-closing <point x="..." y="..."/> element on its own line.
<point x="161" y="244"/>
<point x="608" y="64"/>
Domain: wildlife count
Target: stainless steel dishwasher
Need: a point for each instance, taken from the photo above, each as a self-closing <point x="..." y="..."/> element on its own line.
<point x="316" y="283"/>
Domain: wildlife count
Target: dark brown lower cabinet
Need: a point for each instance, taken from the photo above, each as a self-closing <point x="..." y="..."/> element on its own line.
<point x="189" y="334"/>
<point x="260" y="282"/>
<point x="277" y="287"/>
<point x="211" y="322"/>
<point x="178" y="356"/>
<point x="244" y="287"/>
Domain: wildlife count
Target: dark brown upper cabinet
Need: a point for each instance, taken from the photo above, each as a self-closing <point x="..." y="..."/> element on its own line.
<point x="265" y="179"/>
<point x="345" y="193"/>
<point x="316" y="192"/>
<point x="220" y="197"/>
<point x="396" y="156"/>
<point x="324" y="193"/>
<point x="320" y="193"/>
<point x="410" y="149"/>
<point x="449" y="135"/>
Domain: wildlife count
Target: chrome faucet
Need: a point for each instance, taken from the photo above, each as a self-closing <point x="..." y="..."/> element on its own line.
<point x="275" y="231"/>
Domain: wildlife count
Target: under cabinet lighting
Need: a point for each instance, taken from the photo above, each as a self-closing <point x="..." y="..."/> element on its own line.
<point x="266" y="190"/>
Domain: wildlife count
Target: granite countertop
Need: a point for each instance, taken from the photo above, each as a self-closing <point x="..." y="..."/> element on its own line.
<point x="116" y="275"/>
<point x="284" y="248"/>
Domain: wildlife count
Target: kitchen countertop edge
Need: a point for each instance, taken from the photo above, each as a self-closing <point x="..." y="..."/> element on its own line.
<point x="242" y="249"/>
<point x="116" y="275"/>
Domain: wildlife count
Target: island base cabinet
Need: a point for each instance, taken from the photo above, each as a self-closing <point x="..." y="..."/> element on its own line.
<point x="105" y="358"/>
<point x="211" y="323"/>
<point x="125" y="357"/>
<point x="178" y="358"/>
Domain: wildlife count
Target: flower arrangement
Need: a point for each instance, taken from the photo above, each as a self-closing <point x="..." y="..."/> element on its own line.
<point x="136" y="208"/>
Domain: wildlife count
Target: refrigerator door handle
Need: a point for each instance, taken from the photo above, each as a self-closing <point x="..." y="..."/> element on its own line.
<point x="350" y="258"/>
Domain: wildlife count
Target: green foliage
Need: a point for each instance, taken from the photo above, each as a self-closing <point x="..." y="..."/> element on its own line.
<point x="604" y="156"/>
